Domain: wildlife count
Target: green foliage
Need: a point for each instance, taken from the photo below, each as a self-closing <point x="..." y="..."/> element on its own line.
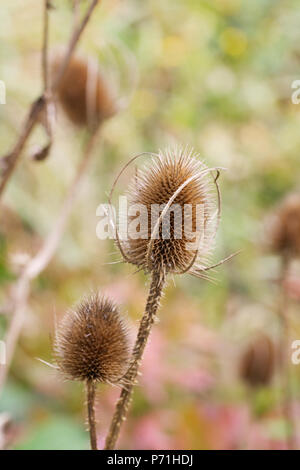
<point x="56" y="433"/>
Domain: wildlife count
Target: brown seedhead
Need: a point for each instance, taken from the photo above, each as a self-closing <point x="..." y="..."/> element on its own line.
<point x="179" y="182"/>
<point x="258" y="362"/>
<point x="285" y="227"/>
<point x="83" y="92"/>
<point x="91" y="342"/>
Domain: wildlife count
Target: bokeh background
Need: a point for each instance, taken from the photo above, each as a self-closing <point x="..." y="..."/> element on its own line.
<point x="213" y="74"/>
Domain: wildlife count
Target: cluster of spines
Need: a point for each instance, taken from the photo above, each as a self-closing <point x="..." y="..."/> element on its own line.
<point x="180" y="173"/>
<point x="91" y="342"/>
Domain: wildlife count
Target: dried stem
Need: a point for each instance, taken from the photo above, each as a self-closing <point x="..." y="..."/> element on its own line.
<point x="285" y="347"/>
<point x="90" y="397"/>
<point x="9" y="162"/>
<point x="73" y="43"/>
<point x="40" y="261"/>
<point x="122" y="406"/>
<point x="47" y="7"/>
<point x="76" y="13"/>
<point x="43" y="152"/>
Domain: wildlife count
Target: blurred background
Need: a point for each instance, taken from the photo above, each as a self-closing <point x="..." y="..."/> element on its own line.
<point x="213" y="74"/>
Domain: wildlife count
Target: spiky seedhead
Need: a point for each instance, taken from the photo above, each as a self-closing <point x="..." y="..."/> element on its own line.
<point x="180" y="239"/>
<point x="91" y="342"/>
<point x="258" y="361"/>
<point x="83" y="92"/>
<point x="285" y="227"/>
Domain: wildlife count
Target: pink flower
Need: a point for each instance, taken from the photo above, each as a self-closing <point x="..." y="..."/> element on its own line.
<point x="149" y="432"/>
<point x="194" y="380"/>
<point x="292" y="286"/>
<point x="228" y="426"/>
<point x="154" y="368"/>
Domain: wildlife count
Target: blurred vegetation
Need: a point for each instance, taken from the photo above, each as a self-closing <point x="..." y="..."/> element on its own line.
<point x="214" y="74"/>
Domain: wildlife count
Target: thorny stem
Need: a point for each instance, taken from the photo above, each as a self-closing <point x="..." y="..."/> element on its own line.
<point x="90" y="397"/>
<point x="122" y="406"/>
<point x="285" y="345"/>
<point x="9" y="162"/>
<point x="39" y="262"/>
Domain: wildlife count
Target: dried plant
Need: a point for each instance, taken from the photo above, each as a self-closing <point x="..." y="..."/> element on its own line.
<point x="257" y="362"/>
<point x="20" y="291"/>
<point x="173" y="177"/>
<point x="179" y="178"/>
<point x="8" y="163"/>
<point x="91" y="345"/>
<point x="284" y="232"/>
<point x="87" y="99"/>
<point x="283" y="237"/>
<point x="83" y="91"/>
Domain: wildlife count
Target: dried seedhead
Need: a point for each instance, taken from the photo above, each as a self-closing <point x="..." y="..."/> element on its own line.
<point x="179" y="236"/>
<point x="285" y="227"/>
<point x="91" y="343"/>
<point x="83" y="93"/>
<point x="258" y="361"/>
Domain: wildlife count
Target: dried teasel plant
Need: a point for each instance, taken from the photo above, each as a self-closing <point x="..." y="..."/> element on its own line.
<point x="83" y="92"/>
<point x="284" y="230"/>
<point x="91" y="345"/>
<point x="39" y="108"/>
<point x="91" y="91"/>
<point x="283" y="239"/>
<point x="257" y="363"/>
<point x="91" y="101"/>
<point x="173" y="177"/>
<point x="38" y="113"/>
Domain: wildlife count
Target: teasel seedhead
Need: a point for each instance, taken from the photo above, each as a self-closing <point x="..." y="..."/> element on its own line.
<point x="257" y="363"/>
<point x="181" y="184"/>
<point x="84" y="93"/>
<point x="284" y="227"/>
<point x="91" y="342"/>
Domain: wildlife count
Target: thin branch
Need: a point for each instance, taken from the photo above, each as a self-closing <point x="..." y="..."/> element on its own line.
<point x="47" y="6"/>
<point x="39" y="262"/>
<point x="76" y="12"/>
<point x="43" y="152"/>
<point x="73" y="43"/>
<point x="9" y="162"/>
<point x="42" y="259"/>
